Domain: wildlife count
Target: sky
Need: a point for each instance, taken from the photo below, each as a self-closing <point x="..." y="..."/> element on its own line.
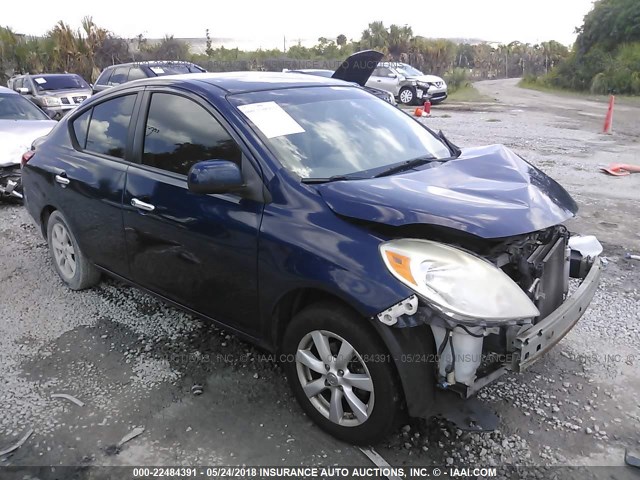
<point x="265" y="23"/>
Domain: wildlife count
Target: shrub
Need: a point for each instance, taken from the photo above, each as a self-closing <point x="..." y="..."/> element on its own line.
<point x="456" y="79"/>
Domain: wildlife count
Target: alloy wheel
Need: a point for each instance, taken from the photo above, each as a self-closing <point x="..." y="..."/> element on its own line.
<point x="63" y="251"/>
<point x="406" y="96"/>
<point x="335" y="378"/>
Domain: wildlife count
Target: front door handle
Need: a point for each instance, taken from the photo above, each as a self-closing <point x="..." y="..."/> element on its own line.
<point x="147" y="207"/>
<point x="62" y="179"/>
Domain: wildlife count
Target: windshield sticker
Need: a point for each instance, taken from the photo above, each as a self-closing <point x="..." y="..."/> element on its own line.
<point x="40" y="80"/>
<point x="157" y="70"/>
<point x="271" y="119"/>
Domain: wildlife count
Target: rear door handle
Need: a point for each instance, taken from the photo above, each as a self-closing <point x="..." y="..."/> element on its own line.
<point x="62" y="179"/>
<point x="147" y="207"/>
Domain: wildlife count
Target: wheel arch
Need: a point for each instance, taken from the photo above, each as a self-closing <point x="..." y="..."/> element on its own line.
<point x="291" y="303"/>
<point x="412" y="349"/>
<point x="44" y="218"/>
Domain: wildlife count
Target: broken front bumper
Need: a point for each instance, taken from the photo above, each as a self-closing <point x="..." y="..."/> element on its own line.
<point x="537" y="340"/>
<point x="534" y="342"/>
<point x="10" y="182"/>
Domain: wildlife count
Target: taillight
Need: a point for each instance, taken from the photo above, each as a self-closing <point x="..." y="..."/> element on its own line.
<point x="26" y="156"/>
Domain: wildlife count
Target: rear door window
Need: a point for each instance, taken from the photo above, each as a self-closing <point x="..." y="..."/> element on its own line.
<point x="80" y="126"/>
<point x="175" y="142"/>
<point x="109" y="126"/>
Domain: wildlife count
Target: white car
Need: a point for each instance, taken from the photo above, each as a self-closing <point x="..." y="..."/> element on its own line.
<point x="21" y="122"/>
<point x="409" y="84"/>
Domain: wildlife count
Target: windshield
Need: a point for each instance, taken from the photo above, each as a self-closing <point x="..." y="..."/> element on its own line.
<point x="15" y="107"/>
<point x="321" y="132"/>
<point x="175" y="69"/>
<point x="59" y="82"/>
<point x="408" y="70"/>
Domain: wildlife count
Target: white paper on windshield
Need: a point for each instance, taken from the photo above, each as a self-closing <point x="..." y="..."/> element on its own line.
<point x="271" y="119"/>
<point x="40" y="80"/>
<point x="157" y="70"/>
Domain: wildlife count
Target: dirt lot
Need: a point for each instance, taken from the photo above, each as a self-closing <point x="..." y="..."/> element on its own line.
<point x="133" y="360"/>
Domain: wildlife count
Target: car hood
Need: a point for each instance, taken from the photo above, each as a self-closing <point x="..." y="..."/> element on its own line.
<point x="358" y="67"/>
<point x="16" y="137"/>
<point x="489" y="192"/>
<point x="425" y="78"/>
<point x="66" y="92"/>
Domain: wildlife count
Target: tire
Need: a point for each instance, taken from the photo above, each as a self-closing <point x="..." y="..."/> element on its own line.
<point x="368" y="416"/>
<point x="407" y="95"/>
<point x="72" y="266"/>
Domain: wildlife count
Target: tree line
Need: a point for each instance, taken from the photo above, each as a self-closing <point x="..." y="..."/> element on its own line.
<point x="606" y="54"/>
<point x="91" y="48"/>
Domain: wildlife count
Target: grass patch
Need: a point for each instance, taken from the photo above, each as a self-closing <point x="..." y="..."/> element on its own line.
<point x="468" y="93"/>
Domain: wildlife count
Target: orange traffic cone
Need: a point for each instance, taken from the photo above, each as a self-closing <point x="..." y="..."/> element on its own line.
<point x="427" y="107"/>
<point x="418" y="112"/>
<point x="608" y="121"/>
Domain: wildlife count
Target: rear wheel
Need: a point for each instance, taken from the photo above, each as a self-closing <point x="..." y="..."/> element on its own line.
<point x="341" y="374"/>
<point x="72" y="266"/>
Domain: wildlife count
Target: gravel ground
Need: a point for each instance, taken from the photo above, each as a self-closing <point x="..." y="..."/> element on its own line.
<point x="133" y="361"/>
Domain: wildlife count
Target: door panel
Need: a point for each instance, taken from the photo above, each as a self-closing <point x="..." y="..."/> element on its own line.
<point x="198" y="250"/>
<point x="89" y="179"/>
<point x="380" y="79"/>
<point x="91" y="201"/>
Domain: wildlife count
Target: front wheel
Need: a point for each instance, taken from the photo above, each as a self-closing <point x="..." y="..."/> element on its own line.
<point x="407" y="95"/>
<point x="341" y="373"/>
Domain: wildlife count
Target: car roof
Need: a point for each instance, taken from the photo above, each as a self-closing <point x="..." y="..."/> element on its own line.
<point x="312" y="70"/>
<point x="242" y="82"/>
<point x="151" y="63"/>
<point x="53" y="74"/>
<point x="5" y="90"/>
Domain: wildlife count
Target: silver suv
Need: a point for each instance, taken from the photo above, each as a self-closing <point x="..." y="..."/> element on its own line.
<point x="410" y="85"/>
<point x="406" y="91"/>
<point x="56" y="93"/>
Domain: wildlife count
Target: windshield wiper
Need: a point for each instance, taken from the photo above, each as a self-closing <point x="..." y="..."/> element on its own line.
<point x="408" y="165"/>
<point x="334" y="178"/>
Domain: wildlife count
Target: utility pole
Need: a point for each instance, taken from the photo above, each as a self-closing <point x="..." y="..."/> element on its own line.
<point x="284" y="44"/>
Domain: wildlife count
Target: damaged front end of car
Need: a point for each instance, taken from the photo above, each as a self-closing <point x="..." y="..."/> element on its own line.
<point x="495" y="308"/>
<point x="10" y="182"/>
<point x="480" y="241"/>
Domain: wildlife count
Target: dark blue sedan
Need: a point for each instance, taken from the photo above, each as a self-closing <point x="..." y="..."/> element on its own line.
<point x="389" y="270"/>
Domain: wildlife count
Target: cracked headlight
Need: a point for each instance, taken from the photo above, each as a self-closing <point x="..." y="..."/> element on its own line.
<point x="459" y="284"/>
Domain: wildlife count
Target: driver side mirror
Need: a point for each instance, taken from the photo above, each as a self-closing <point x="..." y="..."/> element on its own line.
<point x="215" y="176"/>
<point x="392" y="75"/>
<point x="23" y="90"/>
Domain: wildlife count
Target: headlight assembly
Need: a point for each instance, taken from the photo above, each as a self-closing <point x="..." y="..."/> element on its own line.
<point x="51" y="101"/>
<point x="462" y="286"/>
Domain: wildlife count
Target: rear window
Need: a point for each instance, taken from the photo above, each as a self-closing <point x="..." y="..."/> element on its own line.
<point x="120" y="75"/>
<point x="59" y="82"/>
<point x="175" y="69"/>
